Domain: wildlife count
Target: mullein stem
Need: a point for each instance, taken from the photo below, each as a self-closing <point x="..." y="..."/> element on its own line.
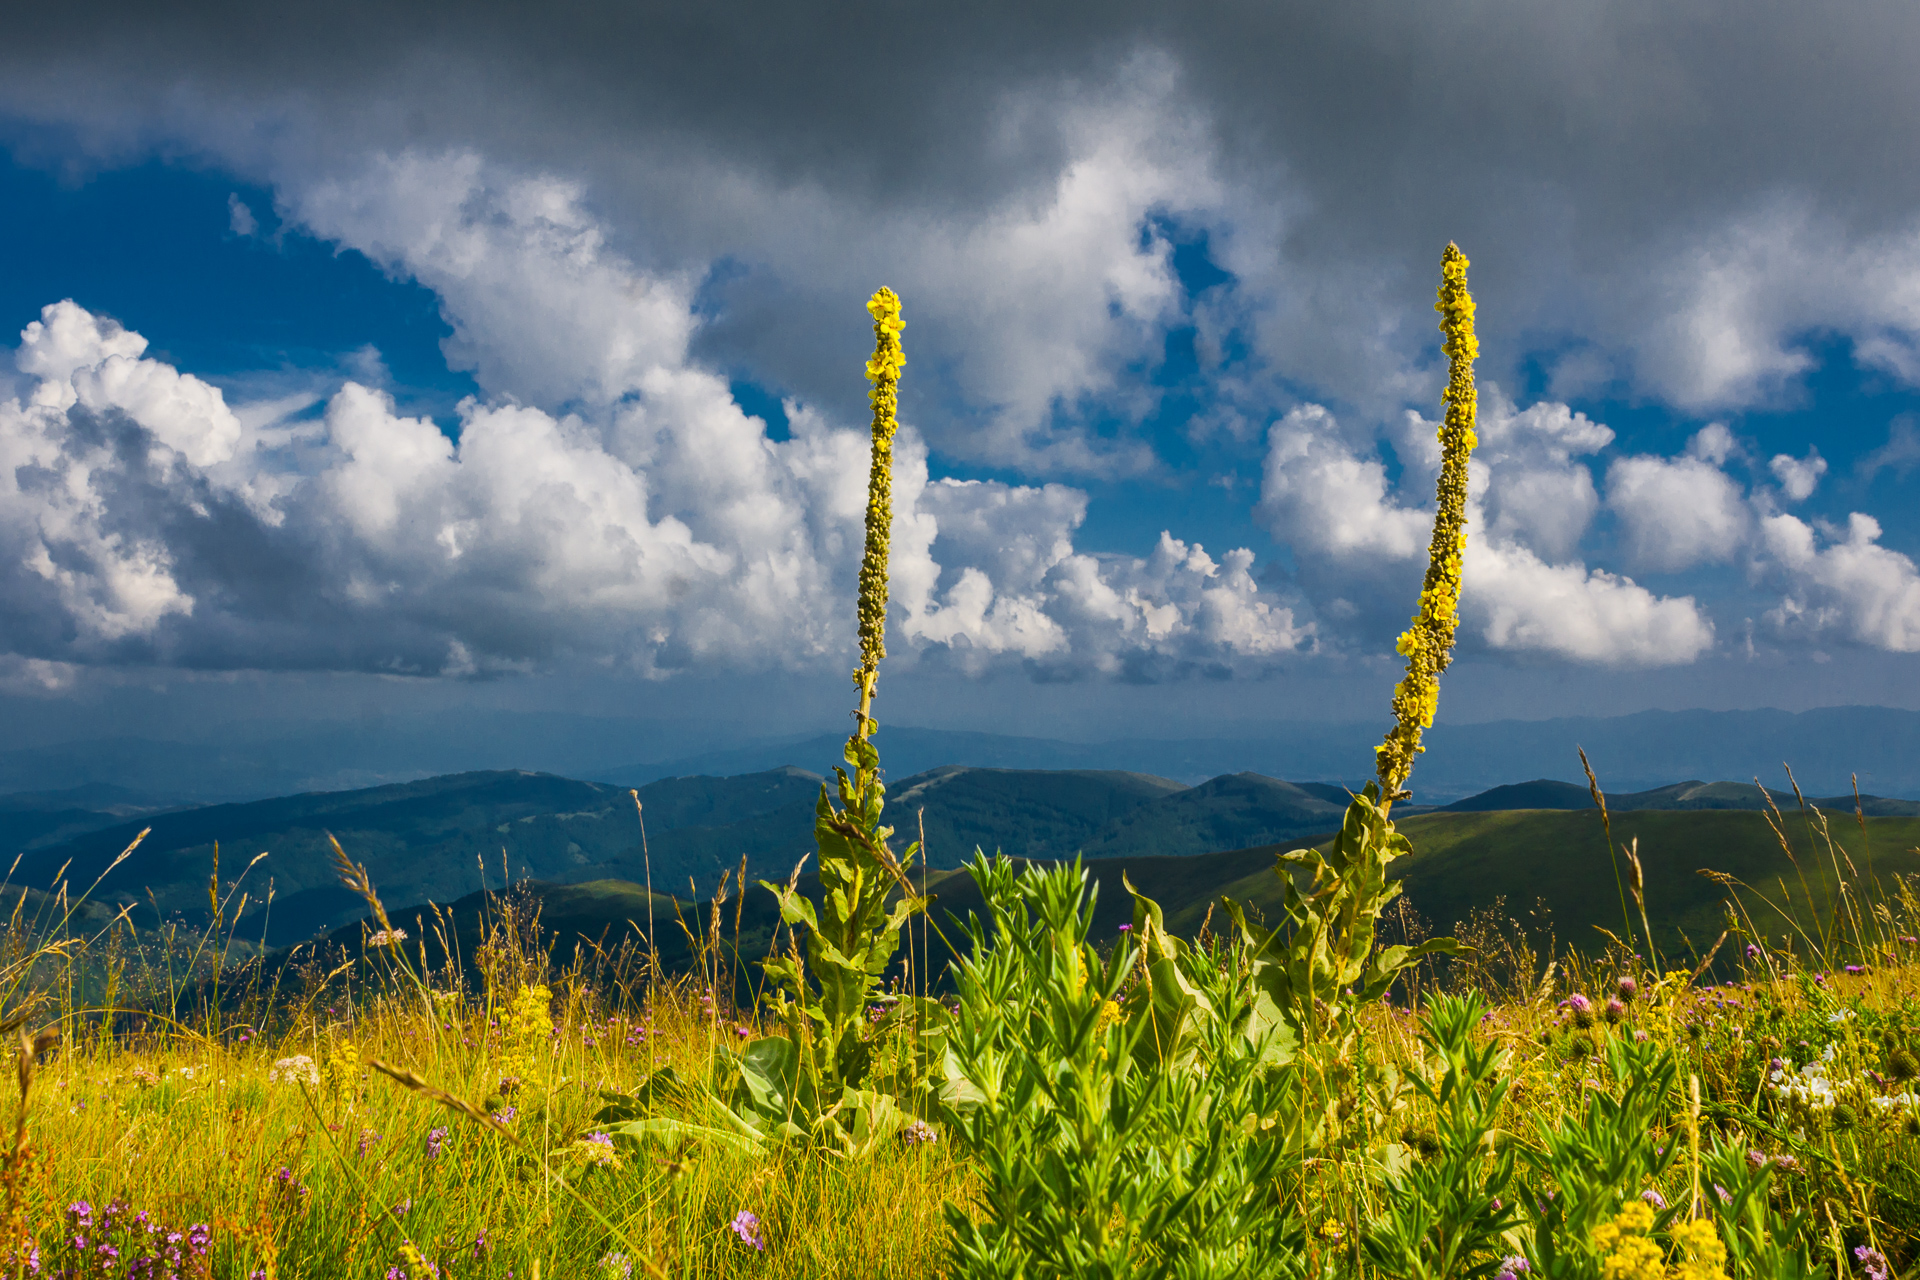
<point x="883" y="371"/>
<point x="1428" y="644"/>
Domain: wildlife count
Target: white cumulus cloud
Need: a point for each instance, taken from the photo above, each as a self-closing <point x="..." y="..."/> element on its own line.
<point x="1318" y="494"/>
<point x="1798" y="477"/>
<point x="1521" y="602"/>
<point x="1680" y="512"/>
<point x="142" y="519"/>
<point x="1071" y="613"/>
<point x="1845" y="583"/>
<point x="1334" y="505"/>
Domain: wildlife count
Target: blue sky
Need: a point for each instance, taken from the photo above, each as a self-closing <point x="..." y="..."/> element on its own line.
<point x="546" y="394"/>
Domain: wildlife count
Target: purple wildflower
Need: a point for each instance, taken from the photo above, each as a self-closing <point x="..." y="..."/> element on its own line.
<point x="435" y="1138"/>
<point x="1654" y="1198"/>
<point x="746" y="1225"/>
<point x="1873" y="1263"/>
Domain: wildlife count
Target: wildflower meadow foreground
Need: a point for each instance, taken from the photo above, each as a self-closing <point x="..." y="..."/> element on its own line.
<point x="1297" y="1097"/>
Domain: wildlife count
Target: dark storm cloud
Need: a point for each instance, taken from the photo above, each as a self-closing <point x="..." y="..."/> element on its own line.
<point x="1592" y="127"/>
<point x="1647" y="188"/>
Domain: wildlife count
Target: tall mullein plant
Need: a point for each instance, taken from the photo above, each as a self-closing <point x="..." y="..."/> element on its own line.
<point x="853" y="935"/>
<point x="1428" y="644"/>
<point x="1329" y="953"/>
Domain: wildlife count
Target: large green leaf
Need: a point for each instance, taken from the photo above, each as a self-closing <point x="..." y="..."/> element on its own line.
<point x="675" y="1134"/>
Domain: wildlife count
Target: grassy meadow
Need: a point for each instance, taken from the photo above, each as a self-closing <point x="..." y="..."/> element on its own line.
<point x="257" y="1133"/>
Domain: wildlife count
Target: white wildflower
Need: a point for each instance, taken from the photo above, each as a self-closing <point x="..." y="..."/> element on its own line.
<point x="295" y="1070"/>
<point x="1810" y="1085"/>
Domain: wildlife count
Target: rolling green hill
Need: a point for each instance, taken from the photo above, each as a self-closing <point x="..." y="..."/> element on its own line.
<point x="1234" y="811"/>
<point x="1027" y="813"/>
<point x="1468" y="861"/>
<point x="436" y="839"/>
<point x="441" y="839"/>
<point x="1463" y="862"/>
<point x="1543" y="793"/>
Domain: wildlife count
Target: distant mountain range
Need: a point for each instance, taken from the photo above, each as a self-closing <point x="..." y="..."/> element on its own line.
<point x="1826" y="748"/>
<point x="1632" y="753"/>
<point x="439" y="839"/>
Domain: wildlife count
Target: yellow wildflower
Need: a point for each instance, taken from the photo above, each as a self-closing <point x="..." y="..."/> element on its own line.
<point x="342" y="1068"/>
<point x="525" y="1031"/>
<point x="883" y="370"/>
<point x="1332" y="1231"/>
<point x="1703" y="1256"/>
<point x="1628" y="1254"/>
<point x="1428" y="644"/>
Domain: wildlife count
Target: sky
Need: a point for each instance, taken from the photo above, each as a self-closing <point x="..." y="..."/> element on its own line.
<point x="397" y="358"/>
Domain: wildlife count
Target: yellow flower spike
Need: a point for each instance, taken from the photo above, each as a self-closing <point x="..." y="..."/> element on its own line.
<point x="883" y="370"/>
<point x="1428" y="647"/>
